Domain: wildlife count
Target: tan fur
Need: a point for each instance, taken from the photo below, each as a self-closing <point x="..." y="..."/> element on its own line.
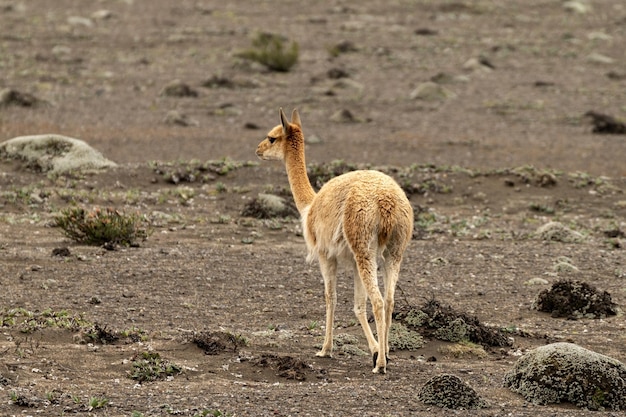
<point x="355" y="219"/>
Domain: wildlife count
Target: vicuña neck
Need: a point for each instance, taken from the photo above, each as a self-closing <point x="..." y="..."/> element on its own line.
<point x="301" y="189"/>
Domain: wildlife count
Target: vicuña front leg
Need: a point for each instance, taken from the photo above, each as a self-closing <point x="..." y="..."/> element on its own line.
<point x="329" y="273"/>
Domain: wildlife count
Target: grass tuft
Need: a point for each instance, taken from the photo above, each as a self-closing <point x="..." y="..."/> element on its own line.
<point x="103" y="227"/>
<point x="271" y="50"/>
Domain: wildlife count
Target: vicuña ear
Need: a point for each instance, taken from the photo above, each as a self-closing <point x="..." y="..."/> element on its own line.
<point x="283" y="121"/>
<point x="295" y="118"/>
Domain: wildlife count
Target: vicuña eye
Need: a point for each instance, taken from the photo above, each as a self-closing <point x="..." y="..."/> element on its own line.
<point x="271" y="139"/>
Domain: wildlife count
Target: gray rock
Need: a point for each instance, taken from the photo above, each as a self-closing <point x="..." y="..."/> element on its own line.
<point x="174" y="117"/>
<point x="345" y="116"/>
<point x="597" y="58"/>
<point x="430" y="91"/>
<point x="80" y="21"/>
<point x="102" y="14"/>
<point x="178" y="88"/>
<point x="565" y="372"/>
<point x="476" y="65"/>
<point x="268" y="206"/>
<point x="580" y="7"/>
<point x="53" y="153"/>
<point x="555" y="231"/>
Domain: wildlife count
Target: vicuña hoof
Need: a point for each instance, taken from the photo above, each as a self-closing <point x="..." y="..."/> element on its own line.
<point x="376" y="369"/>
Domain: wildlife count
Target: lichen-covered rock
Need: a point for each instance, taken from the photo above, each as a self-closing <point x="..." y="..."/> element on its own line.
<point x="448" y="391"/>
<point x="565" y="372"/>
<point x="269" y="206"/>
<point x="53" y="153"/>
<point x="557" y="232"/>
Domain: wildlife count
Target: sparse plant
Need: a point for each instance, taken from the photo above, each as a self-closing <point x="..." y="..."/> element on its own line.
<point x="213" y="413"/>
<point x="542" y="208"/>
<point x="271" y="50"/>
<point x="97" y="402"/>
<point x="220" y="187"/>
<point x="149" y="366"/>
<point x="103" y="227"/>
<point x="27" y="321"/>
<point x="135" y="334"/>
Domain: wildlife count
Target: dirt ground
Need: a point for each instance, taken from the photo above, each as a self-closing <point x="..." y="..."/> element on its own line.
<point x="503" y="150"/>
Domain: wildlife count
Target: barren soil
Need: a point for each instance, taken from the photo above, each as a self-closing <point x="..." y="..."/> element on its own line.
<point x="507" y="150"/>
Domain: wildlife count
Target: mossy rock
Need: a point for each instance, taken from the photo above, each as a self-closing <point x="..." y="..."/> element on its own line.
<point x="52" y="153"/>
<point x="565" y="372"/>
<point x="448" y="391"/>
<point x="269" y="206"/>
<point x="557" y="232"/>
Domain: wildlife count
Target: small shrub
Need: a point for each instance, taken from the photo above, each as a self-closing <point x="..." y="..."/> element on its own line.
<point x="103" y="227"/>
<point x="271" y="50"/>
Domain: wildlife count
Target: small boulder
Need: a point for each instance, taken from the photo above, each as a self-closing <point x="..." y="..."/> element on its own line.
<point x="430" y="91"/>
<point x="268" y="206"/>
<point x="178" y="88"/>
<point x="53" y="153"/>
<point x="556" y="231"/>
<point x="448" y="391"/>
<point x="565" y="372"/>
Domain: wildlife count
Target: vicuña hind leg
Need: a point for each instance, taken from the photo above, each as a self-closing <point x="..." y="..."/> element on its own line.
<point x="391" y="273"/>
<point x="360" y="310"/>
<point x="329" y="273"/>
<point x="367" y="271"/>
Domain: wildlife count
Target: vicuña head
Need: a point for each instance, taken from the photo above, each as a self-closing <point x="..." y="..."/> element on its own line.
<point x="355" y="219"/>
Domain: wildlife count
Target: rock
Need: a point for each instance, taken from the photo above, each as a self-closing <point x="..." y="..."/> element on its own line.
<point x="267" y="206"/>
<point x="536" y="281"/>
<point x="344" y="116"/>
<point x="430" y="91"/>
<point x="61" y="50"/>
<point x="577" y="7"/>
<point x="555" y="231"/>
<point x="174" y="117"/>
<point x="9" y="96"/>
<point x="448" y="391"/>
<point x="477" y="65"/>
<point x="312" y="139"/>
<point x="599" y="58"/>
<point x="80" y="21"/>
<point x="336" y="73"/>
<point x="565" y="372"/>
<point x="602" y="123"/>
<point x="353" y="89"/>
<point x="102" y="14"/>
<point x="178" y="88"/>
<point x="599" y="36"/>
<point x="54" y="153"/>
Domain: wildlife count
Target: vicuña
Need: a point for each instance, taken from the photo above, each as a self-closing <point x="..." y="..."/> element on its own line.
<point x="355" y="219"/>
